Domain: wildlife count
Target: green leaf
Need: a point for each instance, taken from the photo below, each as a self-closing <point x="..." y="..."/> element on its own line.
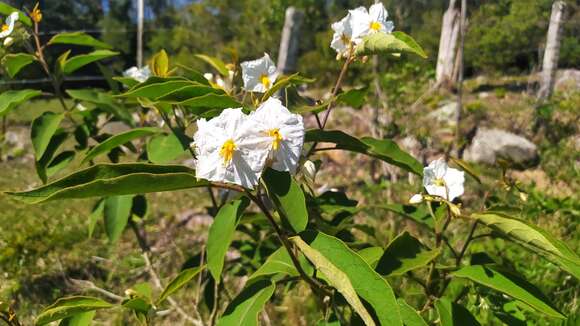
<point x="78" y="38"/>
<point x="280" y="262"/>
<point x="409" y="315"/>
<point x="284" y="81"/>
<point x="199" y="96"/>
<point x="15" y="62"/>
<point x="42" y="130"/>
<point x="336" y="277"/>
<point x="404" y="253"/>
<point x="193" y="75"/>
<point x="532" y="238"/>
<point x="6" y="10"/>
<point x="354" y="97"/>
<point x="104" y="180"/>
<point x="163" y="149"/>
<point x="155" y="88"/>
<point x="371" y="255"/>
<point x="73" y="64"/>
<point x="453" y="314"/>
<point x="414" y="213"/>
<point x="43" y="162"/>
<point x="60" y="162"/>
<point x="70" y="306"/>
<point x="221" y="234"/>
<point x="216" y="63"/>
<point x="80" y="319"/>
<point x="510" y="284"/>
<point x="118" y="140"/>
<point x="383" y="43"/>
<point x="288" y="197"/>
<point x="385" y="149"/>
<point x="104" y="101"/>
<point x="368" y="284"/>
<point x="98" y="211"/>
<point x="246" y="306"/>
<point x="178" y="282"/>
<point x="11" y="99"/>
<point x="117" y="212"/>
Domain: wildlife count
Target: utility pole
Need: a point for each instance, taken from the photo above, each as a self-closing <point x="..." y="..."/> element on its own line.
<point x="140" y="10"/>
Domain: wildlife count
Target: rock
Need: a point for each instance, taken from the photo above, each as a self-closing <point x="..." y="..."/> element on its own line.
<point x="445" y="114"/>
<point x="412" y="146"/>
<point x="568" y="79"/>
<point x="488" y="145"/>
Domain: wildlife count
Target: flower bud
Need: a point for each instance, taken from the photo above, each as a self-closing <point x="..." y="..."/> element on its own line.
<point x="416" y="199"/>
<point x="454" y="209"/>
<point x="309" y="170"/>
<point x="8" y="41"/>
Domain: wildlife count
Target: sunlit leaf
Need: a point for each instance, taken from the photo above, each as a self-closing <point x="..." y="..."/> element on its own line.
<point x="119" y="140"/>
<point x="403" y="254"/>
<point x="184" y="277"/>
<point x="80" y="319"/>
<point x="246" y="306"/>
<point x="15" y="62"/>
<point x="78" y="38"/>
<point x="73" y="64"/>
<point x="11" y="99"/>
<point x="6" y="10"/>
<point x="383" y="43"/>
<point x="409" y="315"/>
<point x="42" y="130"/>
<point x="280" y="262"/>
<point x="216" y="63"/>
<point x="163" y="149"/>
<point x="288" y="197"/>
<point x="284" y="81"/>
<point x="69" y="306"/>
<point x="453" y="314"/>
<point x="117" y="212"/>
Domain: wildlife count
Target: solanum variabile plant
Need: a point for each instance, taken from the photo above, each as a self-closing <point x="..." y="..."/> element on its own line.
<point x="255" y="159"/>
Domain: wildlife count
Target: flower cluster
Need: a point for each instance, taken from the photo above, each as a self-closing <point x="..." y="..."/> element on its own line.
<point x="358" y="23"/>
<point x="235" y="147"/>
<point x="442" y="181"/>
<point x="7" y="28"/>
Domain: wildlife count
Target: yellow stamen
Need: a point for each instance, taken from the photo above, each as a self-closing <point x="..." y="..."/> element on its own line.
<point x="227" y="150"/>
<point x="5" y="28"/>
<point x="345" y="39"/>
<point x="276" y="138"/>
<point x="439" y="182"/>
<point x="265" y="81"/>
<point x="36" y="14"/>
<point x="375" y="26"/>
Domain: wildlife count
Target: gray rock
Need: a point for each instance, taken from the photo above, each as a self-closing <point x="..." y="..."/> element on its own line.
<point x="445" y="114"/>
<point x="568" y="78"/>
<point x="488" y="145"/>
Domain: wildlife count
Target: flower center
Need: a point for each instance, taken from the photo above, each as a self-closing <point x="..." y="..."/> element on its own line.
<point x="227" y="150"/>
<point x="276" y="138"/>
<point x="5" y="28"/>
<point x="345" y="39"/>
<point x="375" y="26"/>
<point x="265" y="81"/>
<point x="439" y="182"/>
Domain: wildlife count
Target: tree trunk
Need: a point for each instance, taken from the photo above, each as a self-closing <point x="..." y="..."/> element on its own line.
<point x="140" y="9"/>
<point x="448" y="44"/>
<point x="552" y="51"/>
<point x="288" y="54"/>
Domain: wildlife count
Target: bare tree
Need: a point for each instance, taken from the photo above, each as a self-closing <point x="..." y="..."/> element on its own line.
<point x="448" y="44"/>
<point x="552" y="51"/>
<point x="288" y="54"/>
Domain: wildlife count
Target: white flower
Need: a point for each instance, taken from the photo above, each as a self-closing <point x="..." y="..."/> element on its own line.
<point x="8" y="26"/>
<point x="259" y="75"/>
<point x="227" y="150"/>
<point x="282" y="132"/>
<point x="416" y="199"/>
<point x="443" y="181"/>
<point x="139" y="75"/>
<point x="367" y="22"/>
<point x="342" y="38"/>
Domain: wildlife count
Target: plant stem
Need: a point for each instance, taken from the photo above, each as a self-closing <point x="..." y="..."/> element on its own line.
<point x="317" y="286"/>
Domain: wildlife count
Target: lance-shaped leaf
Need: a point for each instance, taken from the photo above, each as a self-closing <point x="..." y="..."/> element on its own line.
<point x="368" y="284"/>
<point x="42" y="130"/>
<point x="163" y="149"/>
<point x="119" y="140"/>
<point x="409" y="315"/>
<point x="221" y="234"/>
<point x="246" y="306"/>
<point x="43" y="162"/>
<point x="216" y="63"/>
<point x="404" y="253"/>
<point x="533" y="238"/>
<point x="371" y="255"/>
<point x="70" y="306"/>
<point x="78" y="38"/>
<point x="10" y="99"/>
<point x="155" y="87"/>
<point x="117" y="211"/>
<point x="385" y="149"/>
<point x="80" y="319"/>
<point x="184" y="277"/>
<point x="453" y="314"/>
<point x="414" y="213"/>
<point x="284" y="81"/>
<point x="510" y="284"/>
<point x="15" y="62"/>
<point x="59" y="162"/>
<point x="73" y="64"/>
<point x="280" y="262"/>
<point x="6" y="10"/>
<point x="355" y="97"/>
<point x="394" y="43"/>
<point x="288" y="197"/>
<point x="103" y="180"/>
<point x="198" y="95"/>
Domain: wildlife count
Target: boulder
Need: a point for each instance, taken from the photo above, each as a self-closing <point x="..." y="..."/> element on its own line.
<point x="488" y="145"/>
<point x="445" y="114"/>
<point x="568" y="79"/>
